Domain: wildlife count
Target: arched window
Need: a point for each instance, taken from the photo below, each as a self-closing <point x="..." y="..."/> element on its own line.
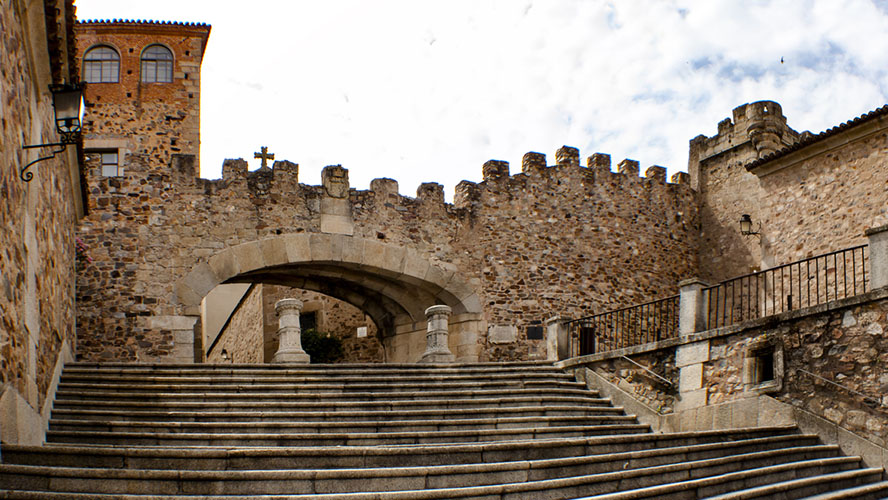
<point x="157" y="64"/>
<point x="101" y="65"/>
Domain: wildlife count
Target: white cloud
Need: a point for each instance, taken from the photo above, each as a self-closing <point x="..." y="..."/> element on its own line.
<point x="427" y="91"/>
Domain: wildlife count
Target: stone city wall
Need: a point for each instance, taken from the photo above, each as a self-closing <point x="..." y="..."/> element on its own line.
<point x="241" y="338"/>
<point x="562" y="238"/>
<point x="37" y="223"/>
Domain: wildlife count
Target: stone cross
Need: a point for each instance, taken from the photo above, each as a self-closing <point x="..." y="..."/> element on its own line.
<point x="437" y="350"/>
<point x="265" y="155"/>
<point x="290" y="333"/>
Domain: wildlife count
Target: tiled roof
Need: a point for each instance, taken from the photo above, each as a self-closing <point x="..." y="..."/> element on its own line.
<point x="810" y="139"/>
<point x="143" y="22"/>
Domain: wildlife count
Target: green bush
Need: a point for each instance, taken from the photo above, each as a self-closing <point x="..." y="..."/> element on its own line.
<point x="322" y="347"/>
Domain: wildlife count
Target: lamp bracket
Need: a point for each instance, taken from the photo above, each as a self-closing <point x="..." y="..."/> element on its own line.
<point x="27" y="176"/>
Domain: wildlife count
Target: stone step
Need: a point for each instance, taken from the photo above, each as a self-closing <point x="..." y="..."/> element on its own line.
<point x="827" y="472"/>
<point x="305" y="481"/>
<point x="273" y="426"/>
<point x="384" y="387"/>
<point x="486" y="402"/>
<point x="695" y="446"/>
<point x="551" y="489"/>
<point x="806" y="487"/>
<point x="430" y="393"/>
<point x="326" y="370"/>
<point x="338" y="439"/>
<point x="872" y="491"/>
<point x="330" y="416"/>
<point x="312" y="378"/>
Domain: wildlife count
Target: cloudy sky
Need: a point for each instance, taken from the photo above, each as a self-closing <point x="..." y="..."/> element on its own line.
<point x="427" y="91"/>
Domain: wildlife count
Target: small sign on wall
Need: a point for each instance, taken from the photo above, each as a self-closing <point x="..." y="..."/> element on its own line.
<point x="362" y="332"/>
<point x="535" y="331"/>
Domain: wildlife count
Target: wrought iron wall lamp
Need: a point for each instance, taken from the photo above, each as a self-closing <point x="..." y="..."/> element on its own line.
<point x="746" y="226"/>
<point x="67" y="103"/>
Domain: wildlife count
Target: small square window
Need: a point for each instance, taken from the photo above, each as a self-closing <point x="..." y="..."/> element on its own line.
<point x="110" y="162"/>
<point x="763" y="366"/>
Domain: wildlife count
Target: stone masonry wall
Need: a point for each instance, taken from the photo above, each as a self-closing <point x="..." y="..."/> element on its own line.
<point x="726" y="190"/>
<point x="241" y="338"/>
<point x="37" y="221"/>
<point x="846" y="345"/>
<point x="823" y="202"/>
<point x="816" y="199"/>
<point x="565" y="238"/>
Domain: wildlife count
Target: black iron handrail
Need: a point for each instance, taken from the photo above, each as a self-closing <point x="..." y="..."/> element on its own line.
<point x="634" y="325"/>
<point x="804" y="283"/>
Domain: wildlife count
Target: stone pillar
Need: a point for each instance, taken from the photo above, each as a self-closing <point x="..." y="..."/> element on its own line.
<point x="557" y="338"/>
<point x="289" y="332"/>
<point x="437" y="350"/>
<point x="878" y="256"/>
<point x="691" y="306"/>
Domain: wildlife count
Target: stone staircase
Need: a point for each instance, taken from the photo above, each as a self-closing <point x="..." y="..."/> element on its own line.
<point x="361" y="432"/>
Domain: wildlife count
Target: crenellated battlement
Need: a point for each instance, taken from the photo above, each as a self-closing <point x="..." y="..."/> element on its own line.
<point x="283" y="176"/>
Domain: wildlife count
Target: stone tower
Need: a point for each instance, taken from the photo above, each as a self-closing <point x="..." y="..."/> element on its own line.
<point x="142" y="91"/>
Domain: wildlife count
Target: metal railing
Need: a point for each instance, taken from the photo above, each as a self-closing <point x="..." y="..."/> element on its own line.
<point x="626" y="327"/>
<point x="871" y="401"/>
<point x="805" y="283"/>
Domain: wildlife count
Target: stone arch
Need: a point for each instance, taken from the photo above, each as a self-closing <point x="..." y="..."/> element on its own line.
<point x="392" y="284"/>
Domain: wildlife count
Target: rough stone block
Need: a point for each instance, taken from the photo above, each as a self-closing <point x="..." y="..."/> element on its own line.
<point x="472" y="303"/>
<point x="854" y="445"/>
<point x="274" y="251"/>
<point x="689" y="354"/>
<point x="298" y="248"/>
<point x="186" y="295"/>
<point x="680" y="178"/>
<point x="171" y="322"/>
<point x="691" y="399"/>
<point x="656" y="174"/>
<point x="383" y="187"/>
<point x="394" y="259"/>
<point x="690" y="378"/>
<point x="773" y="412"/>
<point x="629" y="168"/>
<point x="201" y="279"/>
<point x="438" y="277"/>
<point x="374" y="254"/>
<point x="599" y="162"/>
<point x="469" y="353"/>
<point x="248" y="256"/>
<point x="337" y="224"/>
<point x="705" y="417"/>
<point x="722" y="417"/>
<point x="494" y="170"/>
<point x="567" y="155"/>
<point x="745" y="412"/>
<point x="415" y="266"/>
<point x="321" y="247"/>
<point x="533" y="162"/>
